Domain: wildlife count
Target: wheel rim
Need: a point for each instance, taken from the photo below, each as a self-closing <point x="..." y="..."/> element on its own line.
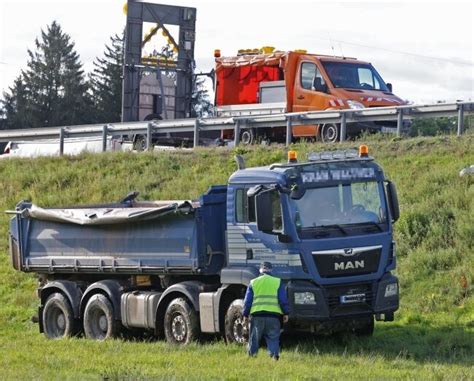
<point x="246" y="137"/>
<point x="239" y="330"/>
<point x="99" y="323"/>
<point x="330" y="133"/>
<point x="140" y="144"/>
<point x="56" y="322"/>
<point x="178" y="328"/>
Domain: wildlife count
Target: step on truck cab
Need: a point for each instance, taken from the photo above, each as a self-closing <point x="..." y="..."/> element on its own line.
<point x="179" y="269"/>
<point x="265" y="81"/>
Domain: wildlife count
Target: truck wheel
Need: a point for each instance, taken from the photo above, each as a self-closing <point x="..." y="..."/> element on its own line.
<point x="181" y="323"/>
<point x="58" y="318"/>
<point x="247" y="136"/>
<point x="99" y="322"/>
<point x="330" y="133"/>
<point x="235" y="330"/>
<point x="140" y="143"/>
<point x="365" y="328"/>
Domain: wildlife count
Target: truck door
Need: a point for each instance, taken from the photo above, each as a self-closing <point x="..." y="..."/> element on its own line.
<point x="247" y="245"/>
<point x="309" y="94"/>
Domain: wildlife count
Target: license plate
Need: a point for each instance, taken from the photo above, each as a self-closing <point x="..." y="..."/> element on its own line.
<point x="354" y="298"/>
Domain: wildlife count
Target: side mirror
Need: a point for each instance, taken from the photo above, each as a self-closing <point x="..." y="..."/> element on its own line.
<point x="393" y="201"/>
<point x="264" y="212"/>
<point x="318" y="85"/>
<point x="389" y="87"/>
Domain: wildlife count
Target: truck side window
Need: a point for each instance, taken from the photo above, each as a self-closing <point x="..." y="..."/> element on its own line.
<point x="244" y="207"/>
<point x="309" y="72"/>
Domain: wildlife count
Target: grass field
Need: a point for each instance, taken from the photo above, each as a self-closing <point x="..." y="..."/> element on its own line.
<point x="432" y="337"/>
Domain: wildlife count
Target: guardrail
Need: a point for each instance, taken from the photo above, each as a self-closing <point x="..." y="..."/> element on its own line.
<point x="398" y="113"/>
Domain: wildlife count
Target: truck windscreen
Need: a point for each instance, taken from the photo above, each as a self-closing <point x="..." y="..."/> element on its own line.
<point x="354" y="76"/>
<point x="353" y="204"/>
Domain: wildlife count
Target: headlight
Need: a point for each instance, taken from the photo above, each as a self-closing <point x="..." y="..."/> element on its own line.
<point x="355" y="105"/>
<point x="391" y="289"/>
<point x="304" y="298"/>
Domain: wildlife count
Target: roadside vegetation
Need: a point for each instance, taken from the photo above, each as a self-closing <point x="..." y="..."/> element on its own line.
<point x="433" y="333"/>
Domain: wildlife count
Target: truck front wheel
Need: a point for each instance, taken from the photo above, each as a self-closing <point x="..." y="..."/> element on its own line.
<point x="181" y="323"/>
<point x="58" y="318"/>
<point x="330" y="133"/>
<point x="99" y="322"/>
<point x="235" y="329"/>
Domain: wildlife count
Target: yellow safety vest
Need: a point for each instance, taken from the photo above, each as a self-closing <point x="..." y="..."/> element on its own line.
<point x="265" y="294"/>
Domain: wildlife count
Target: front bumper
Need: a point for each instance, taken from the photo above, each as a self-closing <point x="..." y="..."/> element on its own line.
<point x="343" y="301"/>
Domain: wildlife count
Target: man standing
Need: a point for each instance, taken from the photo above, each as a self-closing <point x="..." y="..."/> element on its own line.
<point x="265" y="301"/>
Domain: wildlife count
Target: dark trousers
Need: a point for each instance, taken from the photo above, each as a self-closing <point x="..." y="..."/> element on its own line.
<point x="269" y="328"/>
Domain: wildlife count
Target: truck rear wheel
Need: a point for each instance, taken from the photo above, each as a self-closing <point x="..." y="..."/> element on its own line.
<point x="99" y="322"/>
<point x="58" y="318"/>
<point x="330" y="133"/>
<point x="181" y="323"/>
<point x="247" y="136"/>
<point x="235" y="329"/>
<point x="139" y="143"/>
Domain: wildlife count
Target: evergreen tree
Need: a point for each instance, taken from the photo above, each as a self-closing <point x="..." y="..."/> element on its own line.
<point x="106" y="82"/>
<point x="201" y="103"/>
<point x="15" y="110"/>
<point x="52" y="90"/>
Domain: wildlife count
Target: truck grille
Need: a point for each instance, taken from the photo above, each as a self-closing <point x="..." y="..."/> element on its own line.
<point x="335" y="295"/>
<point x="345" y="262"/>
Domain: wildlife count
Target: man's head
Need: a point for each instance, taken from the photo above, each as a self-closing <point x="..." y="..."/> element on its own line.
<point x="265" y="268"/>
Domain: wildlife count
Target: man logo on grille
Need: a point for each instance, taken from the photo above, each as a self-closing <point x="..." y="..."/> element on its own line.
<point x="349" y="265"/>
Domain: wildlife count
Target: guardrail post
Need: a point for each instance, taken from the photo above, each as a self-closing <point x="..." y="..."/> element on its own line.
<point x="343" y="127"/>
<point x="104" y="138"/>
<point x="149" y="133"/>
<point x="289" y="131"/>
<point x="62" y="134"/>
<point x="399" y="121"/>
<point x="196" y="133"/>
<point x="237" y="133"/>
<point x="460" y="119"/>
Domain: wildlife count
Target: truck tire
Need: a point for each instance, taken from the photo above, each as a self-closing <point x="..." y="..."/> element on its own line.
<point x="235" y="330"/>
<point x="365" y="328"/>
<point x="181" y="324"/>
<point x="58" y="318"/>
<point x="139" y="144"/>
<point x="330" y="133"/>
<point x="247" y="136"/>
<point x="99" y="322"/>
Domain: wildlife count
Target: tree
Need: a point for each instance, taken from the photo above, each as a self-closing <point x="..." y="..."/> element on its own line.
<point x="106" y="82"/>
<point x="15" y="113"/>
<point x="52" y="90"/>
<point x="201" y="104"/>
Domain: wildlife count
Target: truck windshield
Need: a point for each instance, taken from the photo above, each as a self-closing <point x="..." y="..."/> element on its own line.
<point x="343" y="206"/>
<point x="354" y="76"/>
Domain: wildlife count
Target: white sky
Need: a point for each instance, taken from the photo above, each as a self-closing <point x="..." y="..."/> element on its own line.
<point x="424" y="48"/>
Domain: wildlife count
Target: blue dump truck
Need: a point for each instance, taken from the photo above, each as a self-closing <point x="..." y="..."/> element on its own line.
<point x="178" y="269"/>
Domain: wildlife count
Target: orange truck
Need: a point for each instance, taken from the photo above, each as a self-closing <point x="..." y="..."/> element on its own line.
<point x="264" y="81"/>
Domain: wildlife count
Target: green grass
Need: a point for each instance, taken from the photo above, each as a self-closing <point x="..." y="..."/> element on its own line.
<point x="432" y="338"/>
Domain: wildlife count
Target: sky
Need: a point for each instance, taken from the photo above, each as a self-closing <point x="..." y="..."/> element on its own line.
<point x="424" y="48"/>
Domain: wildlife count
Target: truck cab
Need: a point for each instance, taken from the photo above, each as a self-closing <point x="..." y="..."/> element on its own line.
<point x="326" y="226"/>
<point x="297" y="81"/>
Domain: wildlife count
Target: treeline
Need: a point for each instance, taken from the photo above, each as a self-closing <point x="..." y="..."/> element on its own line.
<point x="54" y="90"/>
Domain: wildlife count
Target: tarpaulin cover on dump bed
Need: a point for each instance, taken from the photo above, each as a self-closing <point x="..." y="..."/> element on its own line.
<point x="107" y="216"/>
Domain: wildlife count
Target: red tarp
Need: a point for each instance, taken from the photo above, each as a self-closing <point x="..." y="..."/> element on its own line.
<point x="238" y="77"/>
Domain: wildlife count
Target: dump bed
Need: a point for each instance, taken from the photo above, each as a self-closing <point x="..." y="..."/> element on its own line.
<point x="153" y="238"/>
